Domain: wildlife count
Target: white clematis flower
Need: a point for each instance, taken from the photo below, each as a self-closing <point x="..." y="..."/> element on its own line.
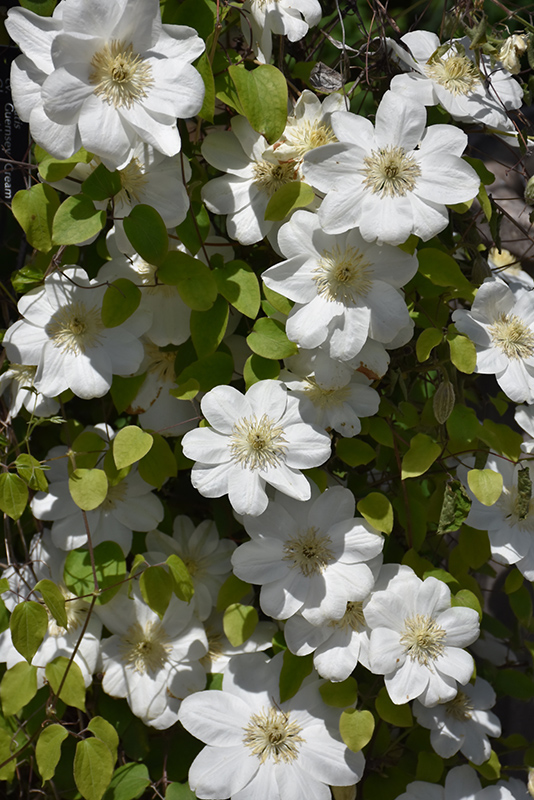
<point x="254" y="440"/>
<point x="393" y="179"/>
<point x="291" y="18"/>
<point x="501" y="326"/>
<point x="309" y="125"/>
<point x="463" y="783"/>
<point x="104" y="76"/>
<point x="17" y="383"/>
<point x="258" y="746"/>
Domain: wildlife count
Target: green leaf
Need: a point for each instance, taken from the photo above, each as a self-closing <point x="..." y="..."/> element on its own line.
<point x="521" y="604"/>
<point x="87" y="449"/>
<point x="486" y="485"/>
<point x="294" y="670"/>
<point x="34" y="210"/>
<point x="199" y="14"/>
<point x="420" y="457"/>
<point x="480" y="168"/>
<point x="463" y="352"/>
<point x="398" y="715"/>
<point x="48" y="750"/>
<point x="13" y="495"/>
<point x="195" y="228"/>
<point x="208" y="327"/>
<point x="195" y="282"/>
<point x="428" y="339"/>
<point x="429" y="767"/>
<point x="292" y="195"/>
<point x="147" y="233"/>
<point x="110" y="567"/>
<point x="93" y="768"/>
<point x="181" y="579"/>
<point x="466" y="599"/>
<point x="28" y="625"/>
<point x="128" y="783"/>
<point x="88" y="488"/>
<point x="159" y="463"/>
<point x="73" y="689"/>
<point x="179" y="791"/>
<point x="513" y="582"/>
<point x="204" y="67"/>
<point x="209" y="372"/>
<point x="455" y="507"/>
<point x="268" y="339"/>
<point x="262" y="94"/>
<point x="30" y="470"/>
<point x="277" y="301"/>
<point x="239" y="623"/>
<point x="524" y="493"/>
<point x="442" y="270"/>
<point x="54" y="599"/>
<point x="378" y="511"/>
<point x="121" y="299"/>
<point x="104" y="731"/>
<point x="355" y="452"/>
<point x="356" y="728"/>
<point x="54" y="169"/>
<point x="42" y="7"/>
<point x="8" y="746"/>
<point x="4" y="617"/>
<point x="124" y="390"/>
<point x="340" y="695"/>
<point x="18" y="687"/>
<point x="130" y="445"/>
<point x="238" y="284"/>
<point x="77" y="220"/>
<point x="259" y="369"/>
<point x="485" y="202"/>
<point x="491" y="769"/>
<point x="156" y="587"/>
<point x="102" y="183"/>
<point x="232" y="591"/>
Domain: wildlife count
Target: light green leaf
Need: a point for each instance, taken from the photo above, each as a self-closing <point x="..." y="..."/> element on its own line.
<point x="277" y="301"/>
<point x="480" y="168"/>
<point x="486" y="485"/>
<point x="195" y="282"/>
<point x="156" y="587"/>
<point x="355" y="452"/>
<point x="147" y="233"/>
<point x="179" y="791"/>
<point x="294" y="670"/>
<point x="77" y="220"/>
<point x="292" y="195"/>
<point x="232" y="591"/>
<point x="13" y="495"/>
<point x="356" y="728"/>
<point x="268" y="339"/>
<point x="491" y="769"/>
<point x="208" y="327"/>
<point x="104" y="731"/>
<point x="463" y="352"/>
<point x="187" y="390"/>
<point x="159" y="463"/>
<point x="467" y="599"/>
<point x="4" y="617"/>
<point x="485" y="202"/>
<point x="28" y="625"/>
<point x="88" y="488"/>
<point x="204" y="67"/>
<point x="93" y="768"/>
<point x="238" y="284"/>
<point x="48" y="750"/>
<point x="8" y="746"/>
<point x="124" y="390"/>
<point x="340" y="695"/>
<point x="128" y="783"/>
<point x="239" y="623"/>
<point x="420" y="457"/>
<point x="209" y="372"/>
<point x="442" y="270"/>
<point x="34" y="210"/>
<point x="18" y="687"/>
<point x="54" y="169"/>
<point x="102" y="183"/>
<point x="426" y="342"/>
<point x="377" y="510"/>
<point x="87" y="449"/>
<point x="181" y="579"/>
<point x="398" y="715"/>
<point x="30" y="470"/>
<point x="130" y="445"/>
<point x="259" y="369"/>
<point x="263" y="96"/>
<point x="121" y="299"/>
<point x="195" y="228"/>
<point x="54" y="599"/>
<point x="110" y="568"/>
<point x="73" y="689"/>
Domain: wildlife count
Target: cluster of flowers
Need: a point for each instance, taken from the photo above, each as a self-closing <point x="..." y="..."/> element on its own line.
<point x="111" y="78"/>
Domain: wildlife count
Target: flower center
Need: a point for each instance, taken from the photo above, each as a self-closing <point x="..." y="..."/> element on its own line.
<point x="22" y="374"/>
<point x="116" y="494"/>
<point x="258" y="444"/>
<point x="146" y="649"/>
<point x="353" y="618"/>
<point x="391" y="171"/>
<point x="457" y="74"/>
<point x="192" y="565"/>
<point x="76" y="610"/>
<point x="423" y="639"/>
<point x="271" y="175"/>
<point x="305" y="136"/>
<point x="342" y="276"/>
<point x="215" y="648"/>
<point x="309" y="552"/>
<point x="132" y="181"/>
<point x="510" y="334"/>
<point x="325" y="398"/>
<point x="273" y="735"/>
<point x="120" y="76"/>
<point x="74" y="328"/>
<point x="460" y="707"/>
<point x="161" y="362"/>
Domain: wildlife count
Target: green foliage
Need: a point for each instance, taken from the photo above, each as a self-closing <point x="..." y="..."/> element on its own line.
<point x="30" y="470"/>
<point x="196" y="284"/>
<point x="428" y="339"/>
<point x="93" y="768"/>
<point x="48" y="750"/>
<point x="420" y="456"/>
<point x="159" y="463"/>
<point x="239" y="285"/>
<point x="102" y="183"/>
<point x="398" y="715"/>
<point x="182" y="583"/>
<point x="455" y="507"/>
<point x="34" y="210"/>
<point x="13" y="495"/>
<point x="128" y="782"/>
<point x="232" y="591"/>
<point x="156" y="587"/>
<point x="340" y="695"/>
<point x="258" y="368"/>
<point x="262" y="94"/>
<point x="355" y="452"/>
<point x="287" y="198"/>
<point x="110" y="570"/>
<point x="66" y="681"/>
<point x="130" y="445"/>
<point x="77" y="220"/>
<point x="239" y="623"/>
<point x="18" y="687"/>
<point x="88" y="488"/>
<point x="121" y="299"/>
<point x="294" y="670"/>
<point x="208" y="327"/>
<point x="28" y="625"/>
<point x="356" y="728"/>
<point x="377" y="510"/>
<point x="54" y="599"/>
<point x="268" y="339"/>
<point x="486" y="485"/>
<point x="147" y="233"/>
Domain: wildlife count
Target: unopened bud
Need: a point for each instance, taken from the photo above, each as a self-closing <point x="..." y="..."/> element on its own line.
<point x="530" y="784"/>
<point x="529" y="192"/>
<point x="511" y="52"/>
<point x="443" y="402"/>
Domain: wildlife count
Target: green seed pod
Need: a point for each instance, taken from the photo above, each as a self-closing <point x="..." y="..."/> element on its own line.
<point x="443" y="402"/>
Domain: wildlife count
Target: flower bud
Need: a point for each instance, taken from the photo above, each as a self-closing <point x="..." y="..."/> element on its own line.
<point x="443" y="401"/>
<point x="511" y="51"/>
